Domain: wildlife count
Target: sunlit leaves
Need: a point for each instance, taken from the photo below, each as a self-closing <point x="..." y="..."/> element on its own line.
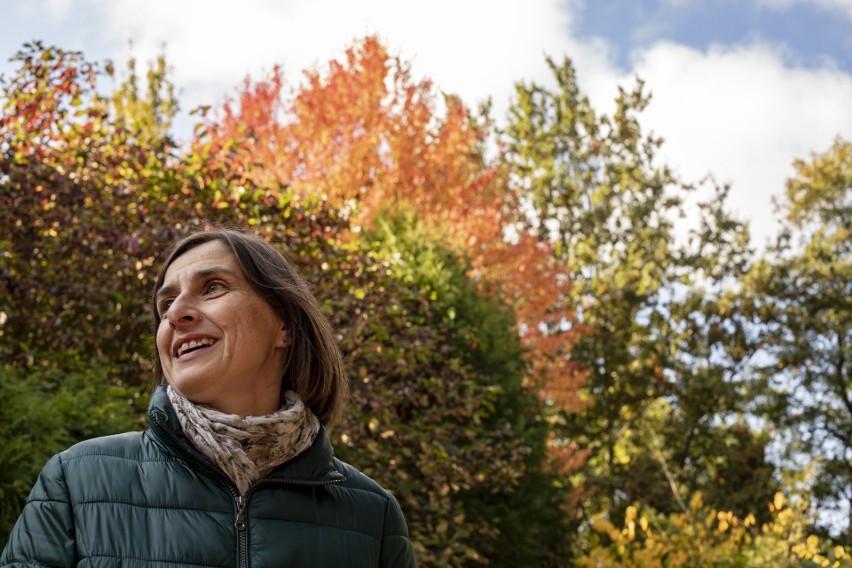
<point x="704" y="536"/>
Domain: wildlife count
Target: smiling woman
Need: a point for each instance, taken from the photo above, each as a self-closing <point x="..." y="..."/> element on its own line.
<point x="219" y="343"/>
<point x="236" y="468"/>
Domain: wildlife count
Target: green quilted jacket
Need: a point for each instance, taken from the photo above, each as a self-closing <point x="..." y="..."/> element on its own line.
<point x="151" y="499"/>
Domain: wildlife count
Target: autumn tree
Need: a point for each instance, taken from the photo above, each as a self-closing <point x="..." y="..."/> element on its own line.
<point x="70" y="348"/>
<point x="365" y="136"/>
<point x="72" y="170"/>
<point x="91" y="193"/>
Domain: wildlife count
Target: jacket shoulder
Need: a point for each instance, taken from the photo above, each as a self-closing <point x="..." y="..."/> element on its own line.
<point x="129" y="445"/>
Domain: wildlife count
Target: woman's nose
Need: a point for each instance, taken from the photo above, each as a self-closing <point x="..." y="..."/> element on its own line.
<point x="181" y="311"/>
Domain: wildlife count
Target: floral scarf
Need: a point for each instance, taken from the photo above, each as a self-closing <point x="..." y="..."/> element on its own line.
<point x="247" y="447"/>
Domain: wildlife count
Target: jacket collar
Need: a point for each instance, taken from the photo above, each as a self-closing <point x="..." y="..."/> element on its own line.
<point x="314" y="466"/>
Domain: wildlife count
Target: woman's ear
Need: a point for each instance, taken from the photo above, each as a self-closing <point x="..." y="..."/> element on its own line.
<point x="285" y="337"/>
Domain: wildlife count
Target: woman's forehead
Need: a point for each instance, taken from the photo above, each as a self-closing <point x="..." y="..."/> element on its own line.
<point x="202" y="258"/>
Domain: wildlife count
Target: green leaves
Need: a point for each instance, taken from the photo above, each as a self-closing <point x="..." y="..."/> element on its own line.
<point x="47" y="408"/>
<point x="801" y="296"/>
<point x="648" y="304"/>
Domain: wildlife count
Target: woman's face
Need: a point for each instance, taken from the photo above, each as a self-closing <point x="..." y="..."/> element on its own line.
<point x="219" y="342"/>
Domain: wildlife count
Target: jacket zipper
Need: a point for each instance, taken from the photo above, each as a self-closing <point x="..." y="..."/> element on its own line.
<point x="240" y="525"/>
<point x="242" y="502"/>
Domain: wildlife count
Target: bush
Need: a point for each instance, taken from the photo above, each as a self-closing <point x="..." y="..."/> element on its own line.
<point x="45" y="409"/>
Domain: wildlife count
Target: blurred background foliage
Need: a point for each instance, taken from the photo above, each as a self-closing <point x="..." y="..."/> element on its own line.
<point x="547" y="369"/>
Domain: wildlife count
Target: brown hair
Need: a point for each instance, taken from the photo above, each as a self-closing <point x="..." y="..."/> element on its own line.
<point x="313" y="365"/>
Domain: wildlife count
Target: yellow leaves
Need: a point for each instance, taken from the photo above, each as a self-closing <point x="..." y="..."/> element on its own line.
<point x="373" y="425"/>
<point x="696" y="503"/>
<point x="778" y="502"/>
<point x="807" y="549"/>
<point x="811" y="550"/>
<point x="219" y="201"/>
<point x="603" y="526"/>
<point x="621" y="454"/>
<point x="707" y="537"/>
<point x="630" y="523"/>
<point x="820" y="184"/>
<point x="726" y="520"/>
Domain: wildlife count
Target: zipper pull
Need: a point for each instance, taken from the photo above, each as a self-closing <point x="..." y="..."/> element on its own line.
<point x="240" y="522"/>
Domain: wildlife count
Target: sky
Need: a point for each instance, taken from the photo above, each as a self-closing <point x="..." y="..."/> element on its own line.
<point x="741" y="88"/>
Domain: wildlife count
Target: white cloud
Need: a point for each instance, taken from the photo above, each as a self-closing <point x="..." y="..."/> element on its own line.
<point x="743" y="115"/>
<point x="58" y="9"/>
<point x="474" y="48"/>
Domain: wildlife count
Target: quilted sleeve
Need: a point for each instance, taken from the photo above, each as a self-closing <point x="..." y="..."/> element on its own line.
<point x="397" y="551"/>
<point x="44" y="533"/>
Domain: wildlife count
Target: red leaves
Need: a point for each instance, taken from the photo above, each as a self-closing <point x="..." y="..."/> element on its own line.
<point x="364" y="136"/>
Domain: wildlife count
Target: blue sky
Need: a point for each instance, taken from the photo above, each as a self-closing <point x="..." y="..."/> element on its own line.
<point x="812" y="33"/>
<point x="740" y="88"/>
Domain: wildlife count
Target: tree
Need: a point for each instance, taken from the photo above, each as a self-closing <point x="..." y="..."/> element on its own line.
<point x="481" y="331"/>
<point x="73" y="350"/>
<point x="443" y="335"/>
<point x="659" y="349"/>
<point x="46" y="409"/>
<point x="800" y="295"/>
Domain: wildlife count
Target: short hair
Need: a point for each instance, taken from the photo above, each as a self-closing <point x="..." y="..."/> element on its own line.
<point x="313" y="366"/>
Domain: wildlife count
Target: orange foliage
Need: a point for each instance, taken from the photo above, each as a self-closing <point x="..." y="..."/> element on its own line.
<point x="366" y="137"/>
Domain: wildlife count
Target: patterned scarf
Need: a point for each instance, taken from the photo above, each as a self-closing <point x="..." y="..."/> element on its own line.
<point x="247" y="447"/>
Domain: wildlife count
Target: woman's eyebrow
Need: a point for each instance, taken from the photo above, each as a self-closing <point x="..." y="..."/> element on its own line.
<point x="202" y="274"/>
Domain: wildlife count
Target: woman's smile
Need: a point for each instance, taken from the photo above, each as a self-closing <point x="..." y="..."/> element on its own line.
<point x="189" y="345"/>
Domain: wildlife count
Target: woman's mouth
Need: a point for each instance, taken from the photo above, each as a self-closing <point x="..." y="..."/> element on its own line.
<point x="194" y="345"/>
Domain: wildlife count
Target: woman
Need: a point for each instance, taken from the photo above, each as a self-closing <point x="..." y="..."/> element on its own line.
<point x="236" y="468"/>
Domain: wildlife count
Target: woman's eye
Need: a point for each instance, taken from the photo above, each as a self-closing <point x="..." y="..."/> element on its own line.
<point x="164" y="306"/>
<point x="214" y="287"/>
